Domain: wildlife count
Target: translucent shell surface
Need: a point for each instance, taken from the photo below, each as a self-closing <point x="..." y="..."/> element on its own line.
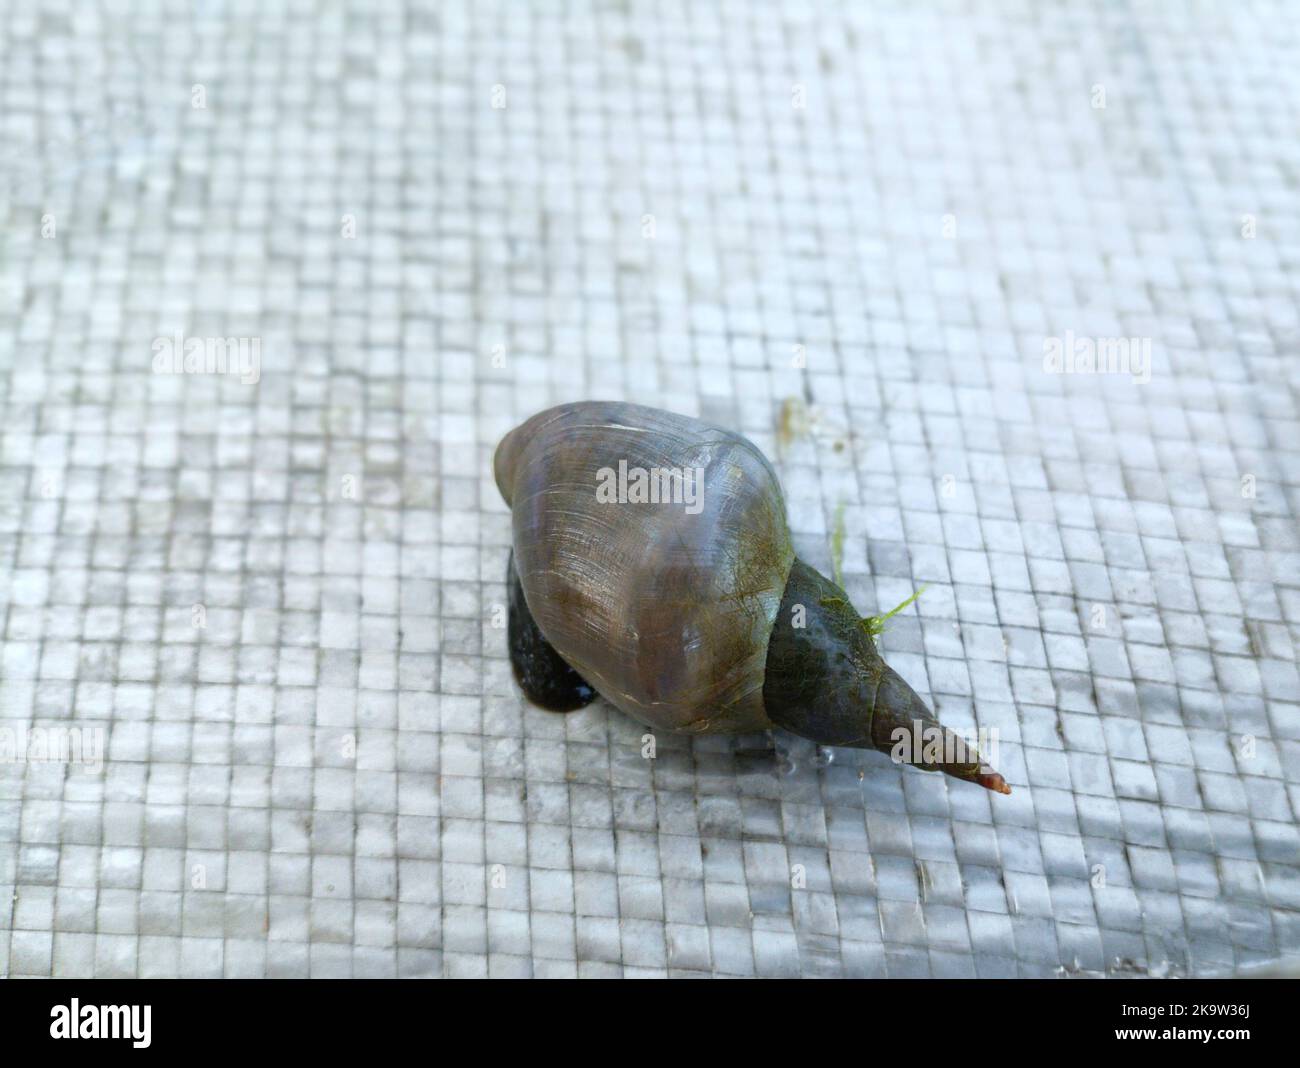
<point x="665" y="608"/>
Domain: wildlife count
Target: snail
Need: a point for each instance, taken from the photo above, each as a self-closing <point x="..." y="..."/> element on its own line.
<point x="652" y="565"/>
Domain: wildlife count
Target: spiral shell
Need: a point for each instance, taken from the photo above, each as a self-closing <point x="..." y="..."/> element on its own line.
<point x="666" y="613"/>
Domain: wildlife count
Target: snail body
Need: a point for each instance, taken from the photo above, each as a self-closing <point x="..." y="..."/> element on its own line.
<point x="652" y="564"/>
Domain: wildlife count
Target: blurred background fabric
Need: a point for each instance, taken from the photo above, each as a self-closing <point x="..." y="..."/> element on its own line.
<point x="850" y="231"/>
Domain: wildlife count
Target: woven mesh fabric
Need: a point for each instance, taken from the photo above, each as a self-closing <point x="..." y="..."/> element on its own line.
<point x="255" y="707"/>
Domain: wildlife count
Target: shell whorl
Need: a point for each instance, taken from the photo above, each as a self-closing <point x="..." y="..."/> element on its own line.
<point x="666" y="613"/>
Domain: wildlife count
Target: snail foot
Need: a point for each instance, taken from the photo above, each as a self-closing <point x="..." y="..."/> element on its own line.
<point x="542" y="673"/>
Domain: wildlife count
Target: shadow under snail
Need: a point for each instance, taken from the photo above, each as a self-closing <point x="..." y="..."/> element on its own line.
<point x="691" y="614"/>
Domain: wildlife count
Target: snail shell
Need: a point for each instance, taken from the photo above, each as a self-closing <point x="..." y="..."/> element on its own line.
<point x="665" y="609"/>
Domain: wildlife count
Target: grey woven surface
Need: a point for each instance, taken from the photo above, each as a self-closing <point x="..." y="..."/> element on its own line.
<point x="335" y="775"/>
